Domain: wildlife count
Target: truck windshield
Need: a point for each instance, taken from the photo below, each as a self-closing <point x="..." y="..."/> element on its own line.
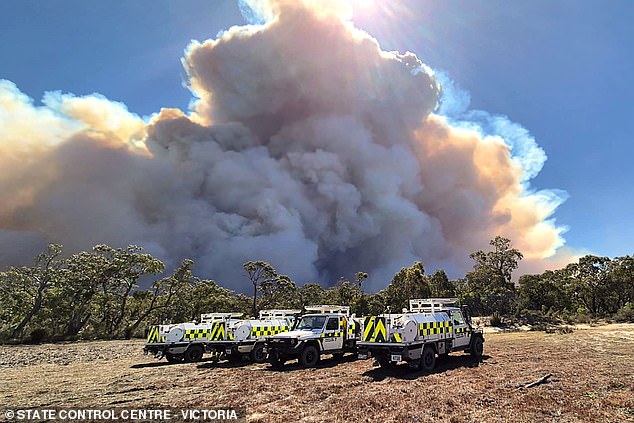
<point x="311" y="322"/>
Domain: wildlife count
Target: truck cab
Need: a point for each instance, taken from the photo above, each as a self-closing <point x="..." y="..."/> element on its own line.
<point x="325" y="330"/>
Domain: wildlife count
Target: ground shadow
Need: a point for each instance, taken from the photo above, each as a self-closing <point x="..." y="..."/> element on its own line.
<point x="324" y="363"/>
<point x="403" y="371"/>
<point x="162" y="362"/>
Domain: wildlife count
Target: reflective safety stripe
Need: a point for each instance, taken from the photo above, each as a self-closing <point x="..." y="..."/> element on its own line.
<point x="374" y="329"/>
<point x="153" y="335"/>
<point x="397" y="337"/>
<point x="463" y="330"/>
<point x="434" y="328"/>
<point x="260" y="331"/>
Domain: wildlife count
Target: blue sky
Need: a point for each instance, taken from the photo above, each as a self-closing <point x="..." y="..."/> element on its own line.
<point x="564" y="70"/>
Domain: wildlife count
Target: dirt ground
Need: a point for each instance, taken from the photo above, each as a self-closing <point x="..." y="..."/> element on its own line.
<point x="592" y="380"/>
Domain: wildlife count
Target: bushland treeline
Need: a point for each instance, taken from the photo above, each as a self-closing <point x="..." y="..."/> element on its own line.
<point x="95" y="295"/>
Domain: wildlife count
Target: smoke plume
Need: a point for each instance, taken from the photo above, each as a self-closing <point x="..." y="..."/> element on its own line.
<point x="306" y="146"/>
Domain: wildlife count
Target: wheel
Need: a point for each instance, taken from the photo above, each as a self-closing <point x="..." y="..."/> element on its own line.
<point x="275" y="360"/>
<point x="385" y="362"/>
<point x="174" y="358"/>
<point x="234" y="358"/>
<point x="194" y="354"/>
<point x="477" y="347"/>
<point x="428" y="359"/>
<point x="309" y="356"/>
<point x="257" y="354"/>
<point x="338" y="356"/>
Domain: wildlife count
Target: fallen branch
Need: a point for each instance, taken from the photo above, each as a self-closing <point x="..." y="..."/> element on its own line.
<point x="539" y="381"/>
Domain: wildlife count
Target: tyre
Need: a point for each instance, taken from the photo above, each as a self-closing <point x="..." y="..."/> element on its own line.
<point x="477" y="347"/>
<point x="257" y="354"/>
<point x="275" y="360"/>
<point x="234" y="358"/>
<point x="385" y="362"/>
<point x="174" y="358"/>
<point x="194" y="354"/>
<point x="309" y="356"/>
<point x="428" y="359"/>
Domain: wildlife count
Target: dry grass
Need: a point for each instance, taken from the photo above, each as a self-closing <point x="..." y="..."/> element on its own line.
<point x="593" y="380"/>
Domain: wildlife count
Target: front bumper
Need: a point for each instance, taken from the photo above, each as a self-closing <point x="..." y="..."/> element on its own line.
<point x="284" y="346"/>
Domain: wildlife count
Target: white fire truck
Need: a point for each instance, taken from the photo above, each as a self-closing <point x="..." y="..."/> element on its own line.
<point x="326" y="329"/>
<point x="247" y="337"/>
<point x="188" y="341"/>
<point x="430" y="327"/>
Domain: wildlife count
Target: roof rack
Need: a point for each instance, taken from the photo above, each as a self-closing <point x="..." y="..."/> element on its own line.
<point x="277" y="313"/>
<point x="323" y="309"/>
<point x="212" y="317"/>
<point x="431" y="305"/>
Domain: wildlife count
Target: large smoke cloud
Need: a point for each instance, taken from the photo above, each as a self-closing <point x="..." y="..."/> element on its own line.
<point x="306" y="146"/>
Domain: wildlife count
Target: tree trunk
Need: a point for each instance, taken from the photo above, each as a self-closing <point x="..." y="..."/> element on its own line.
<point x="17" y="332"/>
<point x="255" y="295"/>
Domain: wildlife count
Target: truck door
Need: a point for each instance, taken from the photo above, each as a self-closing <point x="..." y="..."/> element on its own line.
<point x="332" y="336"/>
<point x="461" y="331"/>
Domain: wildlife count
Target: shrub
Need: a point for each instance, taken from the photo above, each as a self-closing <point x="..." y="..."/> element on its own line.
<point x="495" y="320"/>
<point x="37" y="335"/>
<point x="625" y="313"/>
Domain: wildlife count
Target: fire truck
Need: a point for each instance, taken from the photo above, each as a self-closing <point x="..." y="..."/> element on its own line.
<point x="247" y="337"/>
<point x="188" y="341"/>
<point x="429" y="328"/>
<point x="325" y="329"/>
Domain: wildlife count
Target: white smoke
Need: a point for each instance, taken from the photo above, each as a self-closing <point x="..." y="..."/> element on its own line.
<point x="307" y="146"/>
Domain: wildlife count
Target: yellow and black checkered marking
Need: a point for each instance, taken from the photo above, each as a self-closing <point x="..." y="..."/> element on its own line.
<point x="463" y="330"/>
<point x="260" y="331"/>
<point x="331" y="334"/>
<point x="195" y="334"/>
<point x="153" y="335"/>
<point x="434" y="328"/>
<point x="374" y="329"/>
<point x="215" y="333"/>
<point x="352" y="329"/>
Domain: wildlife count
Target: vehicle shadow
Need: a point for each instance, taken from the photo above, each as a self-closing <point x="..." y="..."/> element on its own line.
<point x="403" y="371"/>
<point x="224" y="364"/>
<point x="161" y="363"/>
<point x="324" y="363"/>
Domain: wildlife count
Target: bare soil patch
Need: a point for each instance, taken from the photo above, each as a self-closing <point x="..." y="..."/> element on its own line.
<point x="592" y="380"/>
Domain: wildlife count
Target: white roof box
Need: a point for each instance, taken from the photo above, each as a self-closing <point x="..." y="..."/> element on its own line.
<point x="431" y="305"/>
<point x="324" y="309"/>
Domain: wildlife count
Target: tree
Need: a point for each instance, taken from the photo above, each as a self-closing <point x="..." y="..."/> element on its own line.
<point x="489" y="286"/>
<point x="311" y="294"/>
<point x="440" y="285"/>
<point x="36" y="281"/>
<point x="258" y="272"/>
<point x="408" y="283"/>
<point x="123" y="269"/>
<point x="543" y="292"/>
<point x="162" y="295"/>
<point x="279" y="292"/>
<point x="591" y="282"/>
